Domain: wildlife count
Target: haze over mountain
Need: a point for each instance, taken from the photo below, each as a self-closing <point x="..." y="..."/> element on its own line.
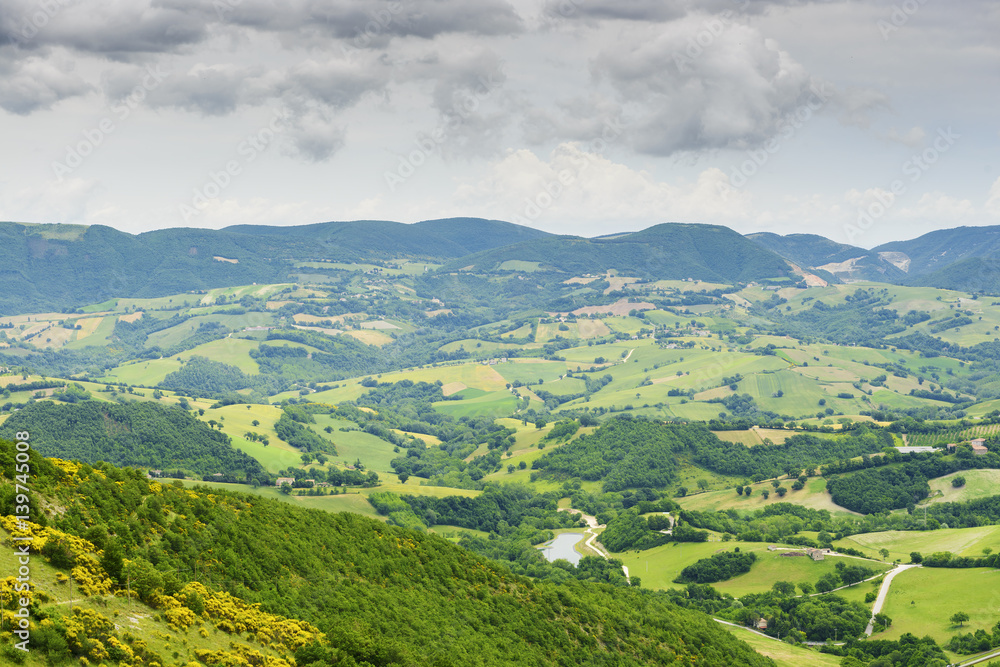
<point x="59" y="267"/>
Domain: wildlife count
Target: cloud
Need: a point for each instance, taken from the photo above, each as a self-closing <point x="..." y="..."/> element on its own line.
<point x="993" y="200"/>
<point x="575" y="191"/>
<point x="365" y="21"/>
<point x="703" y="82"/>
<point x="632" y="10"/>
<point x="113" y="27"/>
<point x="33" y="83"/>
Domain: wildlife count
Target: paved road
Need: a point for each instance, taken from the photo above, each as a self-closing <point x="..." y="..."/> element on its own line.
<point x="883" y="591"/>
<point x="976" y="661"/>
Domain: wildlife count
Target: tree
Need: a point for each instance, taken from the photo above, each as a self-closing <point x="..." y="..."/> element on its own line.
<point x="916" y="557"/>
<point x="806" y="588"/>
<point x="739" y="490"/>
<point x="958" y="481"/>
<point x="781" y="491"/>
<point x="958" y="618"/>
<point x="403" y="476"/>
<point x="765" y="493"/>
<point x="884" y="553"/>
<point x="881" y="622"/>
<point x="702" y="484"/>
<point x="785" y="588"/>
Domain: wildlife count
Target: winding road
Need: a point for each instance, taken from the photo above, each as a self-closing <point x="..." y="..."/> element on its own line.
<point x="883" y="591"/>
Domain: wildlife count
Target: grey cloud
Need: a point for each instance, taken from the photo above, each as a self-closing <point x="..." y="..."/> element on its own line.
<point x="313" y="134"/>
<point x="118" y="28"/>
<point x="578" y="119"/>
<point x="732" y="91"/>
<point x="468" y="95"/>
<point x="633" y="10"/>
<point x="348" y="19"/>
<point x="33" y="83"/>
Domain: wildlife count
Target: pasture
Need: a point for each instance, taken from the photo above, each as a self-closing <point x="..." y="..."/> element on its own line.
<point x="959" y="541"/>
<point x="921" y="601"/>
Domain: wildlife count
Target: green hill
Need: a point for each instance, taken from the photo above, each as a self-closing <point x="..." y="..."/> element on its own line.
<point x="130" y="434"/>
<point x="939" y="249"/>
<point x="666" y="251"/>
<point x="58" y="267"/>
<point x="381" y="595"/>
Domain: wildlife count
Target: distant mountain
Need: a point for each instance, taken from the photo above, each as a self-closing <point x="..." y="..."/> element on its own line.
<point x="936" y="250"/>
<point x="670" y="250"/>
<point x="380" y="239"/>
<point x="56" y="267"/>
<point x="975" y="274"/>
<point x="845" y="262"/>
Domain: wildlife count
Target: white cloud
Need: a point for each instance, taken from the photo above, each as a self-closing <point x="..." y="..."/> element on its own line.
<point x="574" y="191"/>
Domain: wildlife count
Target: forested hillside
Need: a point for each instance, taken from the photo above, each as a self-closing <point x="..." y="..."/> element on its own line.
<point x="145" y="435"/>
<point x="381" y="595"/>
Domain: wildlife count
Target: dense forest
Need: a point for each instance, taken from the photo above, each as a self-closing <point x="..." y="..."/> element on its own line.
<point x="146" y="435"/>
<point x="381" y="594"/>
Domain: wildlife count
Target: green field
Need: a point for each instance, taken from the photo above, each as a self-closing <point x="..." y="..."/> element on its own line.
<point x="784" y="655"/>
<point x="374" y="452"/>
<point x="978" y="484"/>
<point x="494" y="404"/>
<point x="771" y="567"/>
<point x="921" y="601"/>
<point x="814" y="495"/>
<point x="959" y="541"/>
<point x="658" y="567"/>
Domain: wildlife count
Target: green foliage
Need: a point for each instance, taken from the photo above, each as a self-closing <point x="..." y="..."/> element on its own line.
<point x="301" y="437"/>
<point x="355" y="578"/>
<point x="717" y="567"/>
<point x="130" y="434"/>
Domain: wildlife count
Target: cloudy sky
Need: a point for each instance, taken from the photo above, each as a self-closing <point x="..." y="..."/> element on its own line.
<point x="861" y="121"/>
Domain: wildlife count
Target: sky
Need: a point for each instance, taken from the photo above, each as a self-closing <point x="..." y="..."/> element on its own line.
<point x="864" y="122"/>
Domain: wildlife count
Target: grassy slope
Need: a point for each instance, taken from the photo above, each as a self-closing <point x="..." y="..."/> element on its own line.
<point x="922" y="600"/>
<point x="959" y="541"/>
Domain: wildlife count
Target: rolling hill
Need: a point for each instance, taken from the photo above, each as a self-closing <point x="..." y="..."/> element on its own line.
<point x="665" y="251"/>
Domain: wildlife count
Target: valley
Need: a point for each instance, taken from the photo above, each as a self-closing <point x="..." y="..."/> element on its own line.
<point x="446" y="388"/>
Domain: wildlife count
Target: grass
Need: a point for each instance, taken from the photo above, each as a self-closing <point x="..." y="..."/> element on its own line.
<point x="374" y="452"/>
<point x="494" y="404"/>
<point x="978" y="484"/>
<point x="130" y="616"/>
<point x="814" y="495"/>
<point x="921" y="601"/>
<point x="959" y="541"/>
<point x="771" y="567"/>
<point x="784" y="655"/>
<point x="658" y="567"/>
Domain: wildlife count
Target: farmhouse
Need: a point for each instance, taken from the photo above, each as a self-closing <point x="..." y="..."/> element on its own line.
<point x="762" y="624"/>
<point x="284" y="480"/>
<point x="979" y="447"/>
<point x="817" y="554"/>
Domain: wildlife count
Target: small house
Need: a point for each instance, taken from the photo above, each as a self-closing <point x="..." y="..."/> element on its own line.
<point x="979" y="447"/>
<point x="816" y="554"/>
<point x="284" y="480"/>
<point x="951" y="447"/>
<point x="762" y="624"/>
